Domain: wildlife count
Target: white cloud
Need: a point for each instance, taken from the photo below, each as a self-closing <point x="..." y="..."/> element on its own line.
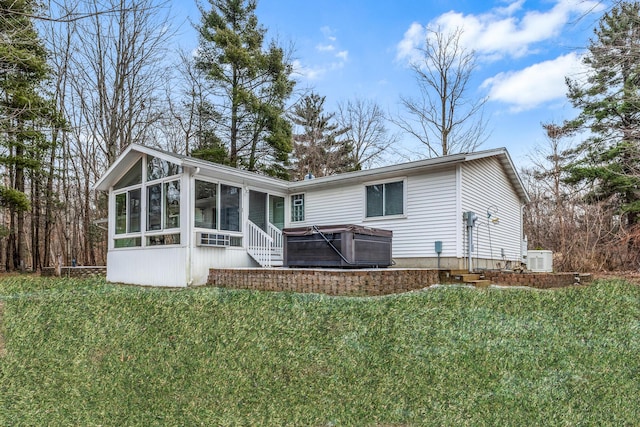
<point x="325" y="47"/>
<point x="328" y="33"/>
<point x="502" y="32"/>
<point x="534" y="85"/>
<point x="309" y="73"/>
<point x="318" y="72"/>
<point x="326" y="64"/>
<point x="413" y="38"/>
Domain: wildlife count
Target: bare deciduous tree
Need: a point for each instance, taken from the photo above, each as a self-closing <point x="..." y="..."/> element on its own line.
<point x="365" y="122"/>
<point x="118" y="71"/>
<point x="110" y="73"/>
<point x="549" y="216"/>
<point x="444" y="118"/>
<point x="186" y="94"/>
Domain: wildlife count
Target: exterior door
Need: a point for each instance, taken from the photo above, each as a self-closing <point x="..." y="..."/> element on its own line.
<point x="258" y="209"/>
<point x="276" y="211"/>
<point x="266" y="208"/>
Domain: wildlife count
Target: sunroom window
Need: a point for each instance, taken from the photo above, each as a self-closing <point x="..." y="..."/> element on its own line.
<point x="128" y="211"/>
<point x="385" y="199"/>
<point x="206" y="205"/>
<point x="163" y="203"/>
<point x="132" y="177"/>
<point x="134" y="210"/>
<point x="229" y="208"/>
<point x="158" y="168"/>
<point x="217" y="206"/>
<point x="155" y="185"/>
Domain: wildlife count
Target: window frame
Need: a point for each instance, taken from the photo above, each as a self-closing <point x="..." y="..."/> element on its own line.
<point x="384" y="184"/>
<point x="298" y="218"/>
<point x="163" y="182"/>
<point x="126" y="192"/>
<point x="129" y="239"/>
<point x="143" y="237"/>
<point x="219" y="215"/>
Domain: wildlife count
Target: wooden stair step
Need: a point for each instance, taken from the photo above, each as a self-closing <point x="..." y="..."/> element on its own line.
<point x="481" y="283"/>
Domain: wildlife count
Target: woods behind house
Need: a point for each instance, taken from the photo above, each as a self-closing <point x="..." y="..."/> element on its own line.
<point x="80" y="80"/>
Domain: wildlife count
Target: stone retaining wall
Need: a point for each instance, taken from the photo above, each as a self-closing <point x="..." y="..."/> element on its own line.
<point x="370" y="282"/>
<point x="78" y="272"/>
<point x="326" y="281"/>
<point x="536" y="280"/>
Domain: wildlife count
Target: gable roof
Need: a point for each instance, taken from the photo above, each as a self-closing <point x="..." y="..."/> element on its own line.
<point x="421" y="166"/>
<point x="132" y="153"/>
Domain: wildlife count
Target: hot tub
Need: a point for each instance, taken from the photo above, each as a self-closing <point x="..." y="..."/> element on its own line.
<point x="342" y="246"/>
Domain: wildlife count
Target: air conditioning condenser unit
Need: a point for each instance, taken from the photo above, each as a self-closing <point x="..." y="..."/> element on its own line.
<point x="540" y="261"/>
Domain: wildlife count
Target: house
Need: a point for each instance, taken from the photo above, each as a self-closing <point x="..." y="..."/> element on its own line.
<point x="173" y="217"/>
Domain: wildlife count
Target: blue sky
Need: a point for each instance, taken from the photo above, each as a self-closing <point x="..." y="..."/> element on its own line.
<point x="345" y="49"/>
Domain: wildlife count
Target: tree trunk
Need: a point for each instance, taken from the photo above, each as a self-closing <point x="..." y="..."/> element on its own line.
<point x="89" y="250"/>
<point x="48" y="209"/>
<point x="35" y="224"/>
<point x="21" y="235"/>
<point x="11" y="242"/>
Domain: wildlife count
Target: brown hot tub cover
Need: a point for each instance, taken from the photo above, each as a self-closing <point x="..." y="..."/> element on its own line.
<point x="344" y="246"/>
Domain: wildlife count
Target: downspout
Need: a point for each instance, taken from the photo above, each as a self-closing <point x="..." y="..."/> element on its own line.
<point x="190" y="227"/>
<point x="524" y="246"/>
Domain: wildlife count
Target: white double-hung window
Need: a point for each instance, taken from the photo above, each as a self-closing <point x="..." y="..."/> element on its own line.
<point x="385" y="199"/>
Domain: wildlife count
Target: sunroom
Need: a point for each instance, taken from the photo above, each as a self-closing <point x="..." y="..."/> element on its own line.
<point x="173" y="217"/>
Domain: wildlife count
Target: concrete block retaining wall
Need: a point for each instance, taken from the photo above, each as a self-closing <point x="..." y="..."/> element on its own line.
<point x="78" y="272"/>
<point x="369" y="282"/>
<point x="325" y="281"/>
<point x="536" y="280"/>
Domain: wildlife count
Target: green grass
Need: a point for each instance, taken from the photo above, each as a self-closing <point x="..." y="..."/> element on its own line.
<point x="88" y="353"/>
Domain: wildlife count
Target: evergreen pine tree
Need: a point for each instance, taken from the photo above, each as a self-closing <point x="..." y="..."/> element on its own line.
<point x="318" y="149"/>
<point x="252" y="84"/>
<point x="25" y="116"/>
<point x="609" y="105"/>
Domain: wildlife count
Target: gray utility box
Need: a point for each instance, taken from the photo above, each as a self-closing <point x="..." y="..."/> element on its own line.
<point x="343" y="246"/>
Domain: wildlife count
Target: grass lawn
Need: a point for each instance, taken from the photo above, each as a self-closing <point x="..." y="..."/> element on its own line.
<point x="88" y="353"/>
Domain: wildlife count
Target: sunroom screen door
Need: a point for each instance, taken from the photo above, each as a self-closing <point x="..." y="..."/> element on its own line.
<point x="258" y="209"/>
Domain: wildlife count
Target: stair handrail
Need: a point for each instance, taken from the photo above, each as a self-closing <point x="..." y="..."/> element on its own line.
<point x="259" y="244"/>
<point x="278" y="240"/>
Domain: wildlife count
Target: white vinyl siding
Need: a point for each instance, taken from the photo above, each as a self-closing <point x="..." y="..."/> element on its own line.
<point x="342" y="205"/>
<point x="485" y="187"/>
<point x="153" y="266"/>
<point x="431" y="209"/>
<point x="430" y="212"/>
